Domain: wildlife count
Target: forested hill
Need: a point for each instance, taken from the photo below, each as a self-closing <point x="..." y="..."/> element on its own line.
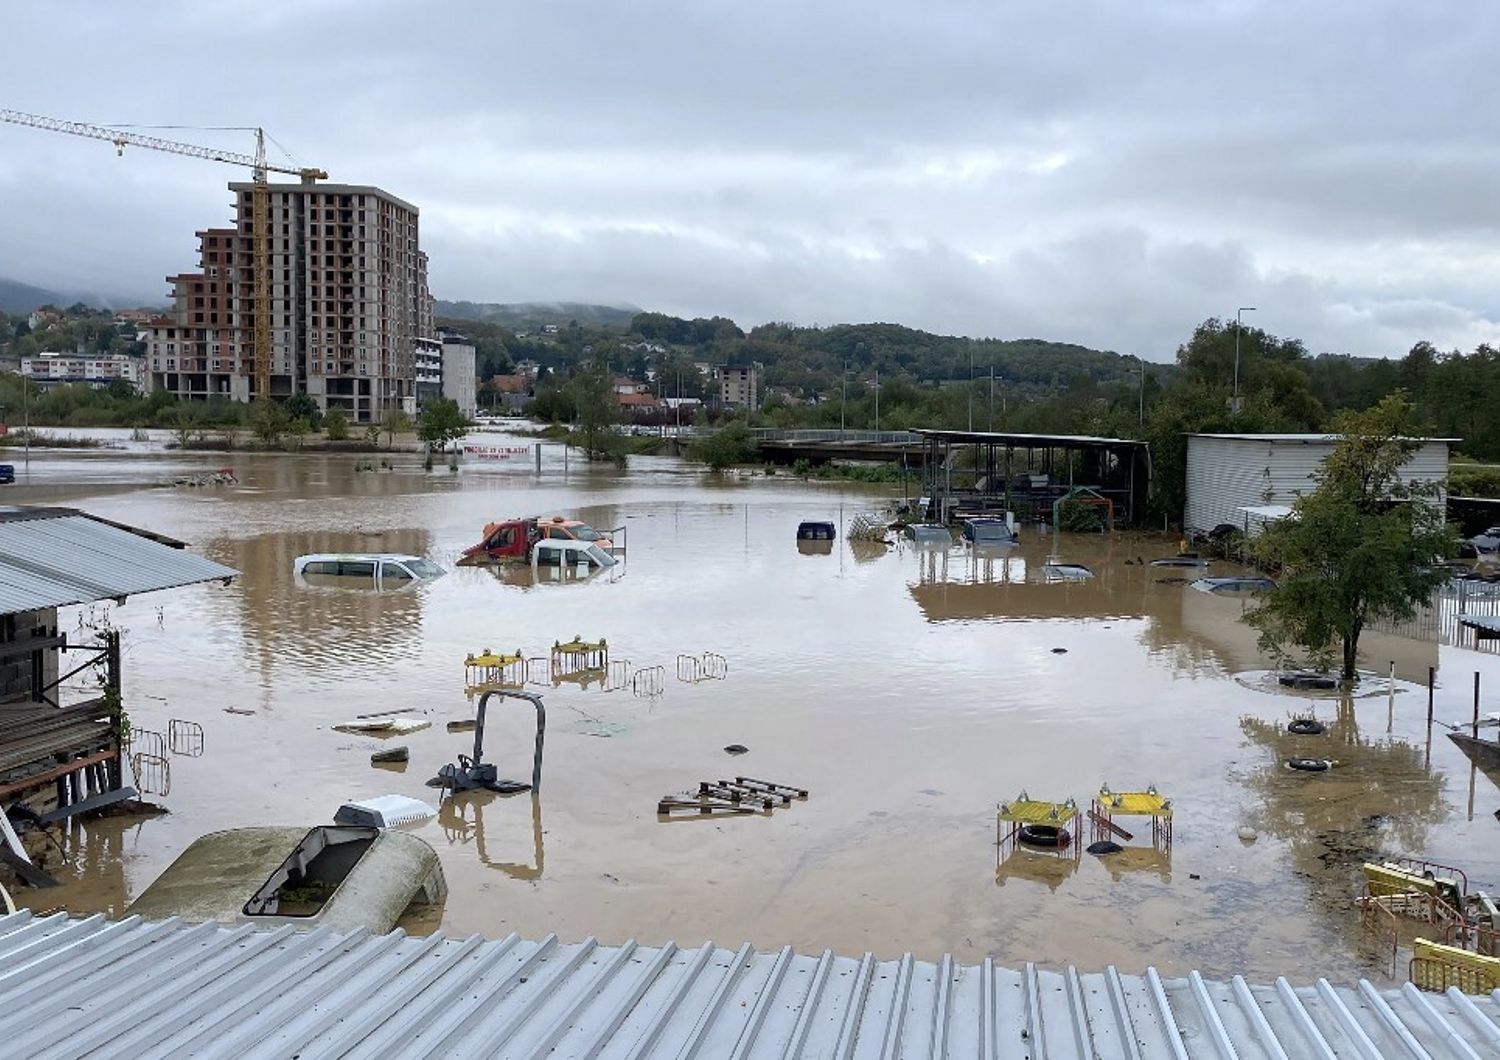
<point x="521" y="316"/>
<point x="804" y="361"/>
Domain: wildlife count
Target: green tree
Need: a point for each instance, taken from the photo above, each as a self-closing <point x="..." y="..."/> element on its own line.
<point x="391" y="421"/>
<point x="187" y="420"/>
<point x="302" y="406"/>
<point x="442" y="421"/>
<point x="593" y="400"/>
<point x="336" y="424"/>
<point x="726" y="447"/>
<point x="269" y="421"/>
<point x="1362" y="546"/>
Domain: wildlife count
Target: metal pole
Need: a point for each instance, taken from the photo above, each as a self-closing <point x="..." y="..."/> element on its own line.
<point x="992" y="397"/>
<point x="1476" y="704"/>
<point x="1237" y="329"/>
<point x="1431" y="673"/>
<point x="971" y="390"/>
<point x="1143" y="390"/>
<point x="26" y="417"/>
<point x="843" y="396"/>
<point x="877" y="402"/>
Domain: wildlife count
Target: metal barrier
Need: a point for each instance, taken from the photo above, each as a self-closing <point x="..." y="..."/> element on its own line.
<point x="710" y="666"/>
<point x="144" y="741"/>
<point x="649" y="681"/>
<point x="153" y="773"/>
<point x="617" y="675"/>
<point x="185" y="738"/>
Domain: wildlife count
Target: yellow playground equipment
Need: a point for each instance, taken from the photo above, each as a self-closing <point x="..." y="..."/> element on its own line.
<point x="1037" y="825"/>
<point x="580" y="660"/>
<point x="1466" y="954"/>
<point x="1108" y="805"/>
<point x="489" y="671"/>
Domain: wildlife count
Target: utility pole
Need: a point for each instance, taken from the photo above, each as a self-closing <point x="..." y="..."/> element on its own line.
<point x="843" y="396"/>
<point x="1237" y="329"/>
<point x="877" y="400"/>
<point x="970" y="386"/>
<point x="992" y="397"/>
<point x="1142" y="364"/>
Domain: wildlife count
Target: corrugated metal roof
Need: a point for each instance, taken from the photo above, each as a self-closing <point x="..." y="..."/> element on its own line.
<point x="58" y="556"/>
<point x="1300" y="437"/>
<point x="1011" y="438"/>
<point x="133" y="988"/>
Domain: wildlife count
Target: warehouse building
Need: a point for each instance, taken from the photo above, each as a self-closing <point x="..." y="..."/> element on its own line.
<point x="1247" y="480"/>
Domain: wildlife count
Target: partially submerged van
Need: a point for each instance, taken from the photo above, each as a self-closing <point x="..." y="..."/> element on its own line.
<point x="386" y="570"/>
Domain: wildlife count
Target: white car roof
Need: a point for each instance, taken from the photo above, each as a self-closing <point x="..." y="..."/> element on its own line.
<point x="356" y="557"/>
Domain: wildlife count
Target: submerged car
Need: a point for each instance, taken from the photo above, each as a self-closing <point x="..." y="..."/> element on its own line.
<point x="367" y="569"/>
<point x="1244" y="583"/>
<point x="581" y="555"/>
<point x="991" y="529"/>
<point x="1489" y="541"/>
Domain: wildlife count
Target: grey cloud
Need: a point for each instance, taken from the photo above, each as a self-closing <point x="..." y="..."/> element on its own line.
<point x="1098" y="172"/>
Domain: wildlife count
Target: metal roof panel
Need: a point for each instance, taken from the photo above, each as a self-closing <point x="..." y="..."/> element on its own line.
<point x="65" y="557"/>
<point x="139" y="988"/>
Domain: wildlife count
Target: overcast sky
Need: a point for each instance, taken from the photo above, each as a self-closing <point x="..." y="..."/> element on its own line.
<point x="1105" y="173"/>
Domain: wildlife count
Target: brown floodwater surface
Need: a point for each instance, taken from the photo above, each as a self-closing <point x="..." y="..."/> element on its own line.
<point x="909" y="691"/>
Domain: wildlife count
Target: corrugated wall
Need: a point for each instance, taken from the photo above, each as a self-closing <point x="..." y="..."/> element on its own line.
<point x="1227" y="474"/>
<point x="1223" y="476"/>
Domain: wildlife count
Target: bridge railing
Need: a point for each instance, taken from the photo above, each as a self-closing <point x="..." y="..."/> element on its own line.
<point x="809" y="436"/>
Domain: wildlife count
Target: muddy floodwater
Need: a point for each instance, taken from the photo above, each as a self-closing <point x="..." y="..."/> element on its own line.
<point x="909" y="691"/>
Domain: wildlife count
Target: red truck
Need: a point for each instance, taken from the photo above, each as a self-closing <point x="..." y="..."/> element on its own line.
<point x="510" y="541"/>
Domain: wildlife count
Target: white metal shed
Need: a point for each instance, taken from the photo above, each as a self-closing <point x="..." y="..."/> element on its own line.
<point x="1229" y="473"/>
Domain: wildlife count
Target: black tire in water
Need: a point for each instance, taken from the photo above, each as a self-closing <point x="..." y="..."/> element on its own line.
<point x="1043" y="835"/>
<point x="1306" y="727"/>
<point x="1308" y="765"/>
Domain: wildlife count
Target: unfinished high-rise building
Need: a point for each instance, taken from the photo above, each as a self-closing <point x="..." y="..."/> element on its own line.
<point x="349" y="301"/>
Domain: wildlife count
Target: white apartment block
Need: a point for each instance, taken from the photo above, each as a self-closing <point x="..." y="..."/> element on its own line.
<point x="59" y="368"/>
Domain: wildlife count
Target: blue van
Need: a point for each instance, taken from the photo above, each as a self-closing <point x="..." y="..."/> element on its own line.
<point x="7" y="474"/>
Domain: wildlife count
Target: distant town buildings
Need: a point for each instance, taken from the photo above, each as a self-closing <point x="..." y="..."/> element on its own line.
<point x="739" y="385"/>
<point x="55" y="369"/>
<point x="349" y="302"/>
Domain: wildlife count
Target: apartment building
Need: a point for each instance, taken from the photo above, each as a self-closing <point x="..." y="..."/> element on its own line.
<point x="56" y="369"/>
<point x="739" y="385"/>
<point x="349" y="301"/>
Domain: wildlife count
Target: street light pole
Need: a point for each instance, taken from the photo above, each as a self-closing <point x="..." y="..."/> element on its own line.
<point x="1237" y="329"/>
<point x="1142" y="362"/>
<point x="843" y="396"/>
<point x="970" y="388"/>
<point x="877" y="399"/>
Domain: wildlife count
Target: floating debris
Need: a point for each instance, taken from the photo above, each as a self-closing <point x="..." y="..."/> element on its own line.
<point x="1104" y="846"/>
<point x="224" y="476"/>
<point x="391" y="754"/>
<point x="738" y="796"/>
<point x="383" y="726"/>
<point x="736" y="749"/>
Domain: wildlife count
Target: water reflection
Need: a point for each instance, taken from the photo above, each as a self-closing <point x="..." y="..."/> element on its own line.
<point x="1154" y="860"/>
<point x="323" y="625"/>
<point x="1036" y="867"/>
<point x="462" y="821"/>
<point x="1381" y="796"/>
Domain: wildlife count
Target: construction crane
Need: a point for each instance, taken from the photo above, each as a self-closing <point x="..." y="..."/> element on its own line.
<point x="260" y="206"/>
